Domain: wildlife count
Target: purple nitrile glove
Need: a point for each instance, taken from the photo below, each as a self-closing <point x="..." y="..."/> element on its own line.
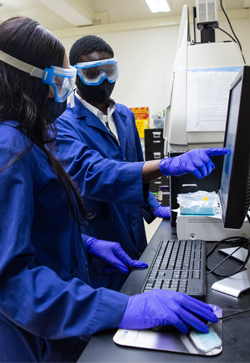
<point x="162" y="212"/>
<point x="113" y="254"/>
<point x="195" y="161"/>
<point x="161" y="307"/>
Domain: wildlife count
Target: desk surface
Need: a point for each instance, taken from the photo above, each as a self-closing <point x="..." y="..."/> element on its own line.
<point x="236" y="330"/>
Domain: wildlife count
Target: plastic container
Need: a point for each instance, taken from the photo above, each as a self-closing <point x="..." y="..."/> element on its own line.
<point x="158" y="121"/>
<point x="201" y="203"/>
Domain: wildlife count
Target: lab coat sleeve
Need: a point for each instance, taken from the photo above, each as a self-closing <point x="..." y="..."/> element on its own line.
<point x="84" y="237"/>
<point x="148" y="212"/>
<point x="95" y="175"/>
<point x="32" y="296"/>
<point x="152" y="202"/>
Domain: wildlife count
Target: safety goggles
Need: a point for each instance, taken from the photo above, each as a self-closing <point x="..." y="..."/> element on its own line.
<point x="94" y="73"/>
<point x="60" y="80"/>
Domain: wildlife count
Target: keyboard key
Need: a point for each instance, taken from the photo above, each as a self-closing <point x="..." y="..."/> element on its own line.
<point x="172" y="289"/>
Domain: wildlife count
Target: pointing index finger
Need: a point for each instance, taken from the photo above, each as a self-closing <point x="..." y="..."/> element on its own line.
<point x="216" y="151"/>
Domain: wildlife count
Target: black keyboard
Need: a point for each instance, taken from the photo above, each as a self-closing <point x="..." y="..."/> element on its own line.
<point x="178" y="266"/>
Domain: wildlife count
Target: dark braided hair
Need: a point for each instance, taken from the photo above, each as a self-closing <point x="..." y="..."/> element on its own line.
<point x="22" y="97"/>
<point x="87" y="45"/>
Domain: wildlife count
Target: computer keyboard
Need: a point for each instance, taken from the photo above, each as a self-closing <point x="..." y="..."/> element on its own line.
<point x="178" y="265"/>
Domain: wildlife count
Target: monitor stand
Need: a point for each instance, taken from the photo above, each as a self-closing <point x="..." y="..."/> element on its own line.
<point x="239" y="282"/>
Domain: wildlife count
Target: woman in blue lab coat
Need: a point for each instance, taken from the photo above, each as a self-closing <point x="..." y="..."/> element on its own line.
<point x="47" y="309"/>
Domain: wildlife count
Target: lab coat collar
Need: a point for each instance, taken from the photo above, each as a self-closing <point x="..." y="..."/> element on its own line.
<point x="80" y="112"/>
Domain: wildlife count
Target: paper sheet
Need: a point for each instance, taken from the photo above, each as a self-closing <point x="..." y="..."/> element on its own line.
<point x="207" y="98"/>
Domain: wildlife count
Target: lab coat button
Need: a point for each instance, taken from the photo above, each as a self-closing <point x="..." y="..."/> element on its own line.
<point x="134" y="222"/>
<point x="124" y="158"/>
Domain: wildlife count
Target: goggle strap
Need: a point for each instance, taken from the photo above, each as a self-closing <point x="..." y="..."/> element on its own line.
<point x="14" y="62"/>
<point x="37" y="72"/>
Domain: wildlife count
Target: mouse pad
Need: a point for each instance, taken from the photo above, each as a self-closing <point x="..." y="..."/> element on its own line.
<point x="173" y="341"/>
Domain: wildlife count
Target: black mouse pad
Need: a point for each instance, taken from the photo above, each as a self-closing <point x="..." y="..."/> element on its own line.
<point x="173" y="341"/>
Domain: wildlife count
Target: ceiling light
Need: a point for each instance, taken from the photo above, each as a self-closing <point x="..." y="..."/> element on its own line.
<point x="157" y="6"/>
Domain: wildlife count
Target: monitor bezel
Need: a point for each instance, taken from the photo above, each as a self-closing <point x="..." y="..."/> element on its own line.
<point x="234" y="212"/>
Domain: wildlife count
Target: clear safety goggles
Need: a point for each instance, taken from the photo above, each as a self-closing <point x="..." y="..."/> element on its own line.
<point x="94" y="73"/>
<point x="60" y="80"/>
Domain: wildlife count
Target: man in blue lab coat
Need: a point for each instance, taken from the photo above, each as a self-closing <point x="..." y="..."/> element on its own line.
<point x="97" y="154"/>
<point x="99" y="146"/>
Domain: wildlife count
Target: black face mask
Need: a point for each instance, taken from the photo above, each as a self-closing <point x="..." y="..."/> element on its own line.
<point x="96" y="94"/>
<point x="54" y="109"/>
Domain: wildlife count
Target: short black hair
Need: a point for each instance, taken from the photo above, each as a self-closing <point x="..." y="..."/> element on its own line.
<point x="87" y="45"/>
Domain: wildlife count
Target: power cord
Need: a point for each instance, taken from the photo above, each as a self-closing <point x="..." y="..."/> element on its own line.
<point x="237" y="242"/>
<point x="237" y="40"/>
<point x="235" y="313"/>
<point x="227" y="34"/>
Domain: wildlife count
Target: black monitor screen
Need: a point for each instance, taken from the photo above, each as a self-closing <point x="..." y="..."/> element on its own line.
<point x="235" y="183"/>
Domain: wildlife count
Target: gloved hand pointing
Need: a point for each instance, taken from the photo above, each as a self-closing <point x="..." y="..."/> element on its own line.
<point x="113" y="254"/>
<point x="160" y="307"/>
<point x="195" y="161"/>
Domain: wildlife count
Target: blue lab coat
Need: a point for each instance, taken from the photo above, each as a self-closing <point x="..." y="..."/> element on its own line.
<point x="110" y="179"/>
<point x="47" y="311"/>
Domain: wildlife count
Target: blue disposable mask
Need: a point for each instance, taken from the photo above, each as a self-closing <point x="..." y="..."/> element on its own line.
<point x="95" y="94"/>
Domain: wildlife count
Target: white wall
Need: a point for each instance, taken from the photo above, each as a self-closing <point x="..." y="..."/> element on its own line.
<point x="146" y="58"/>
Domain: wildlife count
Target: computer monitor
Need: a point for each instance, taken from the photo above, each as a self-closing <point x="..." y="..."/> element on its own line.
<point x="235" y="177"/>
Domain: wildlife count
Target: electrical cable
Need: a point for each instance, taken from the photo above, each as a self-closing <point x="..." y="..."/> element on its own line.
<point x="227" y="34"/>
<point x="235" y="313"/>
<point x="232" y="31"/>
<point x="194" y="16"/>
<point x="219" y="264"/>
<point x="242" y="241"/>
<point x="224" y="11"/>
